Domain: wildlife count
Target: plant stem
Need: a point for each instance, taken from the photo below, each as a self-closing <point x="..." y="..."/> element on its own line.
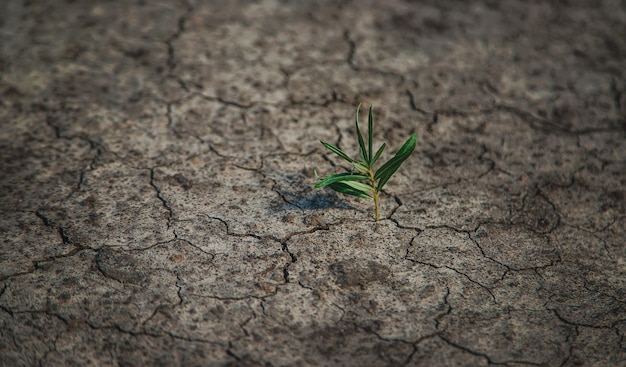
<point x="376" y="203"/>
<point x="375" y="189"/>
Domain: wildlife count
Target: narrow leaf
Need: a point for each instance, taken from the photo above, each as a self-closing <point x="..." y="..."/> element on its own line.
<point x="338" y="177"/>
<point x="359" y="166"/>
<point x="378" y="153"/>
<point x="358" y="185"/>
<point x="406" y="150"/>
<point x="388" y="169"/>
<point x="345" y="189"/>
<point x="362" y="150"/>
<point x="370" y="135"/>
<point x="337" y="151"/>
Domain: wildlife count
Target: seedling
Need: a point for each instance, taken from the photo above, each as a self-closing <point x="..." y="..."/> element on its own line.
<point x="351" y="183"/>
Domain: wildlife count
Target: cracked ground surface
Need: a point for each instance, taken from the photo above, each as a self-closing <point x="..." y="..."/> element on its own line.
<point x="157" y="166"/>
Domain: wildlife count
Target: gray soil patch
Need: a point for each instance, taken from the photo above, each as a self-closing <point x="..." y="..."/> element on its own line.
<point x="156" y="184"/>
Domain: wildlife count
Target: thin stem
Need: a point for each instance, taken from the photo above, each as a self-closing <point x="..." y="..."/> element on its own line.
<point x="375" y="189"/>
<point x="376" y="203"/>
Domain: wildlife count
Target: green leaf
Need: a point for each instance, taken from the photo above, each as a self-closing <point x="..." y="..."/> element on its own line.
<point x="339" y="177"/>
<point x="343" y="188"/>
<point x="362" y="150"/>
<point x="370" y="135"/>
<point x="378" y="153"/>
<point x="359" y="166"/>
<point x="359" y="186"/>
<point x="388" y="169"/>
<point x="338" y="151"/>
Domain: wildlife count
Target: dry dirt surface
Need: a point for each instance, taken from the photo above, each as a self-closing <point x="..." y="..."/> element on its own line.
<point x="156" y="192"/>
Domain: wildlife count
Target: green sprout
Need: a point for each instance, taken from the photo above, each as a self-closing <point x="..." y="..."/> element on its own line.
<point x="350" y="183"/>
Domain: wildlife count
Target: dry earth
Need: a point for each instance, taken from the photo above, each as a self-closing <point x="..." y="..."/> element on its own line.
<point x="156" y="181"/>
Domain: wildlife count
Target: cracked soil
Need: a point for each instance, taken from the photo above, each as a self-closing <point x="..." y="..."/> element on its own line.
<point x="156" y="183"/>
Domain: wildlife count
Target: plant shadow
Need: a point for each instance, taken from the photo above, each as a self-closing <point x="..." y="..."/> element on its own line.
<point x="316" y="200"/>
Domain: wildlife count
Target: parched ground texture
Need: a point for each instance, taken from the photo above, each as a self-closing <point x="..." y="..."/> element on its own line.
<point x="157" y="164"/>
